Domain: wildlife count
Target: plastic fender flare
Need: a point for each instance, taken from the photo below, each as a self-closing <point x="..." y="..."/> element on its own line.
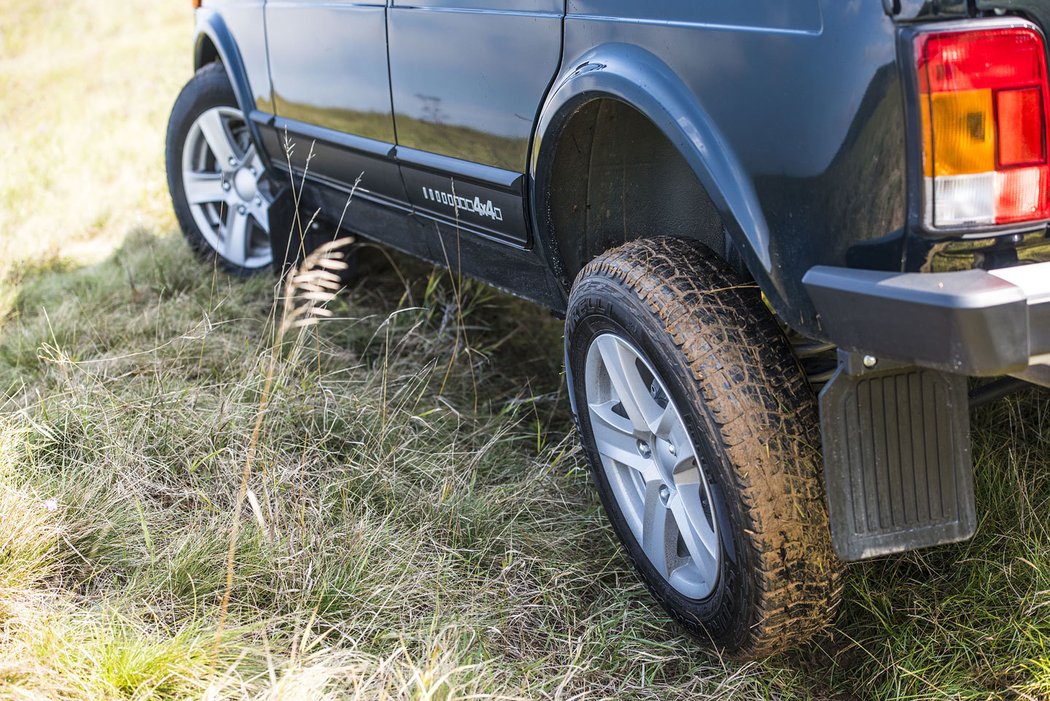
<point x="211" y="26"/>
<point x="640" y="79"/>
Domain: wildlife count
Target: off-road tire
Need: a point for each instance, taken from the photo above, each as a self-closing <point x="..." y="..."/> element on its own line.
<point x="752" y="416"/>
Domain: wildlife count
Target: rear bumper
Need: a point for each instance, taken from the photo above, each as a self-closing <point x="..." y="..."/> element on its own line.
<point x="973" y="322"/>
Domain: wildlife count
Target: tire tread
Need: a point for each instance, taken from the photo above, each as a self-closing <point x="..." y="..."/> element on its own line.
<point x="766" y="415"/>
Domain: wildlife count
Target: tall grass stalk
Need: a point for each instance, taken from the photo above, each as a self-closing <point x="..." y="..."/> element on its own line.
<point x="309" y="287"/>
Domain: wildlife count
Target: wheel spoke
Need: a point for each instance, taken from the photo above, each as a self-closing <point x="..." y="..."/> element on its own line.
<point x="686" y="475"/>
<point x="218" y="137"/>
<point x="236" y="237"/>
<point x="261" y="213"/>
<point x="700" y="539"/>
<point x="688" y="579"/>
<point x="685" y="469"/>
<point x="651" y="465"/>
<point x="252" y="158"/>
<point x="666" y="422"/>
<point x="654" y="526"/>
<point x="621" y="364"/>
<point x="614" y="438"/>
<point x="202" y="188"/>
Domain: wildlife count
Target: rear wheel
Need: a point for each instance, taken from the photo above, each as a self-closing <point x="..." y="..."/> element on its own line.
<point x="701" y="431"/>
<point x="218" y="183"/>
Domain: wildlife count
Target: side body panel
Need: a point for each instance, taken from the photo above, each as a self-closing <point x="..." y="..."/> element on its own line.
<point x="238" y="30"/>
<point x="327" y="119"/>
<point x="789" y="111"/>
<point x="235" y="30"/>
<point x="331" y="93"/>
<point x="329" y="66"/>
<point x="467" y="79"/>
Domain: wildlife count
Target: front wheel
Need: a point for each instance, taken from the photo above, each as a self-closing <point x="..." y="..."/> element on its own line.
<point x="219" y="187"/>
<point x="701" y="432"/>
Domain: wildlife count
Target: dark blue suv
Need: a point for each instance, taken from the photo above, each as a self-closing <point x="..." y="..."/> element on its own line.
<point x="784" y="236"/>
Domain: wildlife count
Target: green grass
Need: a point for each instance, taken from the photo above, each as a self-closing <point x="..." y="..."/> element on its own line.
<point x="420" y="523"/>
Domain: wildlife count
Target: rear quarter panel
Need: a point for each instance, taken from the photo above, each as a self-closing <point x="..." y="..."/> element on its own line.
<point x="806" y="96"/>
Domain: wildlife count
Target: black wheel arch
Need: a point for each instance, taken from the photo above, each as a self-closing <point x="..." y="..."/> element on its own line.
<point x="727" y="215"/>
<point x="612" y="177"/>
<point x="205" y="51"/>
<point x="215" y="43"/>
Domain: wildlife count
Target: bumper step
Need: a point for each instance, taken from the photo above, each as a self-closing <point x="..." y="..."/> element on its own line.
<point x="896" y="458"/>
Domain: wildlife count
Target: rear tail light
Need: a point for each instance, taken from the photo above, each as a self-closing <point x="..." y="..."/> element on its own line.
<point x="984" y="100"/>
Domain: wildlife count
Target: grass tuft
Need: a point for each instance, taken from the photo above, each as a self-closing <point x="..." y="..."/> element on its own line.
<point x="417" y="521"/>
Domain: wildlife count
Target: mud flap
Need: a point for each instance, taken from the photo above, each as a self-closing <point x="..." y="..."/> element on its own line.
<point x="896" y="458"/>
<point x="294" y="234"/>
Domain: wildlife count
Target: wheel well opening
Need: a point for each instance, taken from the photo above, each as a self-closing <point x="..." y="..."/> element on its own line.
<point x="615" y="177"/>
<point x="206" y="53"/>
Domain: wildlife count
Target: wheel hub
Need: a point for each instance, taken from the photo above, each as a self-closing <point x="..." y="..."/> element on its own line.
<point x="246" y="184"/>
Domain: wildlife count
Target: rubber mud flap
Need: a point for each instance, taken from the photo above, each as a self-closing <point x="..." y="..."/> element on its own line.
<point x="896" y="458"/>
<point x="292" y="236"/>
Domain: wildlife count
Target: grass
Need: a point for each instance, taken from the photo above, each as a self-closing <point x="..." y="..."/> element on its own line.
<point x="409" y="531"/>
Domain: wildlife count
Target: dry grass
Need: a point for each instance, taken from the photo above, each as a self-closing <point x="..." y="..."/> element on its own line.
<point x="405" y="534"/>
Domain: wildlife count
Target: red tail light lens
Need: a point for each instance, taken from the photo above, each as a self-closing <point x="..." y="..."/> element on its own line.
<point x="984" y="100"/>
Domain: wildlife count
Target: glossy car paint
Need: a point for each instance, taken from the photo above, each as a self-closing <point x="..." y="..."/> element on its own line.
<point x="336" y="111"/>
<point x="348" y="91"/>
<point x="237" y="29"/>
<point x="926" y="9"/>
<point x="236" y="36"/>
<point x="468" y="78"/>
<point x="792" y="114"/>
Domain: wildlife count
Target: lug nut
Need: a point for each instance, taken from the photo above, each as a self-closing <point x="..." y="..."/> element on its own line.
<point x="242" y="209"/>
<point x="671" y="449"/>
<point x="226" y="185"/>
<point x="252" y="171"/>
<point x="258" y="200"/>
<point x="665" y="494"/>
<point x="644" y="450"/>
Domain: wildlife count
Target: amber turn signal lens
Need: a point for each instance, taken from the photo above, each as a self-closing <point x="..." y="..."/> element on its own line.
<point x="964" y="127"/>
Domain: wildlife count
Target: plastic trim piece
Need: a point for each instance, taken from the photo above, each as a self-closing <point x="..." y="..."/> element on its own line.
<point x="973" y="322"/>
<point x="210" y="25"/>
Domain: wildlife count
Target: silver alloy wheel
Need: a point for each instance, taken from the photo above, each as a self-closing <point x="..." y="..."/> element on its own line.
<point x="652" y="466"/>
<point x="226" y="189"/>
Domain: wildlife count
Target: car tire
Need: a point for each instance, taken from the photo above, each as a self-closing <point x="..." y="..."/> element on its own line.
<point x="702" y="435"/>
<point x="219" y="187"/>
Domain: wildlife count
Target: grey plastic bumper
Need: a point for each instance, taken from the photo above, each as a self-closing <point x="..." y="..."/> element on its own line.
<point x="973" y="322"/>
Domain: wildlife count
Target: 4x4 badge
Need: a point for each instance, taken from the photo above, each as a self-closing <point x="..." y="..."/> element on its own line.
<point x="475" y="206"/>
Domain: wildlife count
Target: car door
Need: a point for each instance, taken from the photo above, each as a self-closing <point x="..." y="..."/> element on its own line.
<point x="467" y="79"/>
<point x="331" y="93"/>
